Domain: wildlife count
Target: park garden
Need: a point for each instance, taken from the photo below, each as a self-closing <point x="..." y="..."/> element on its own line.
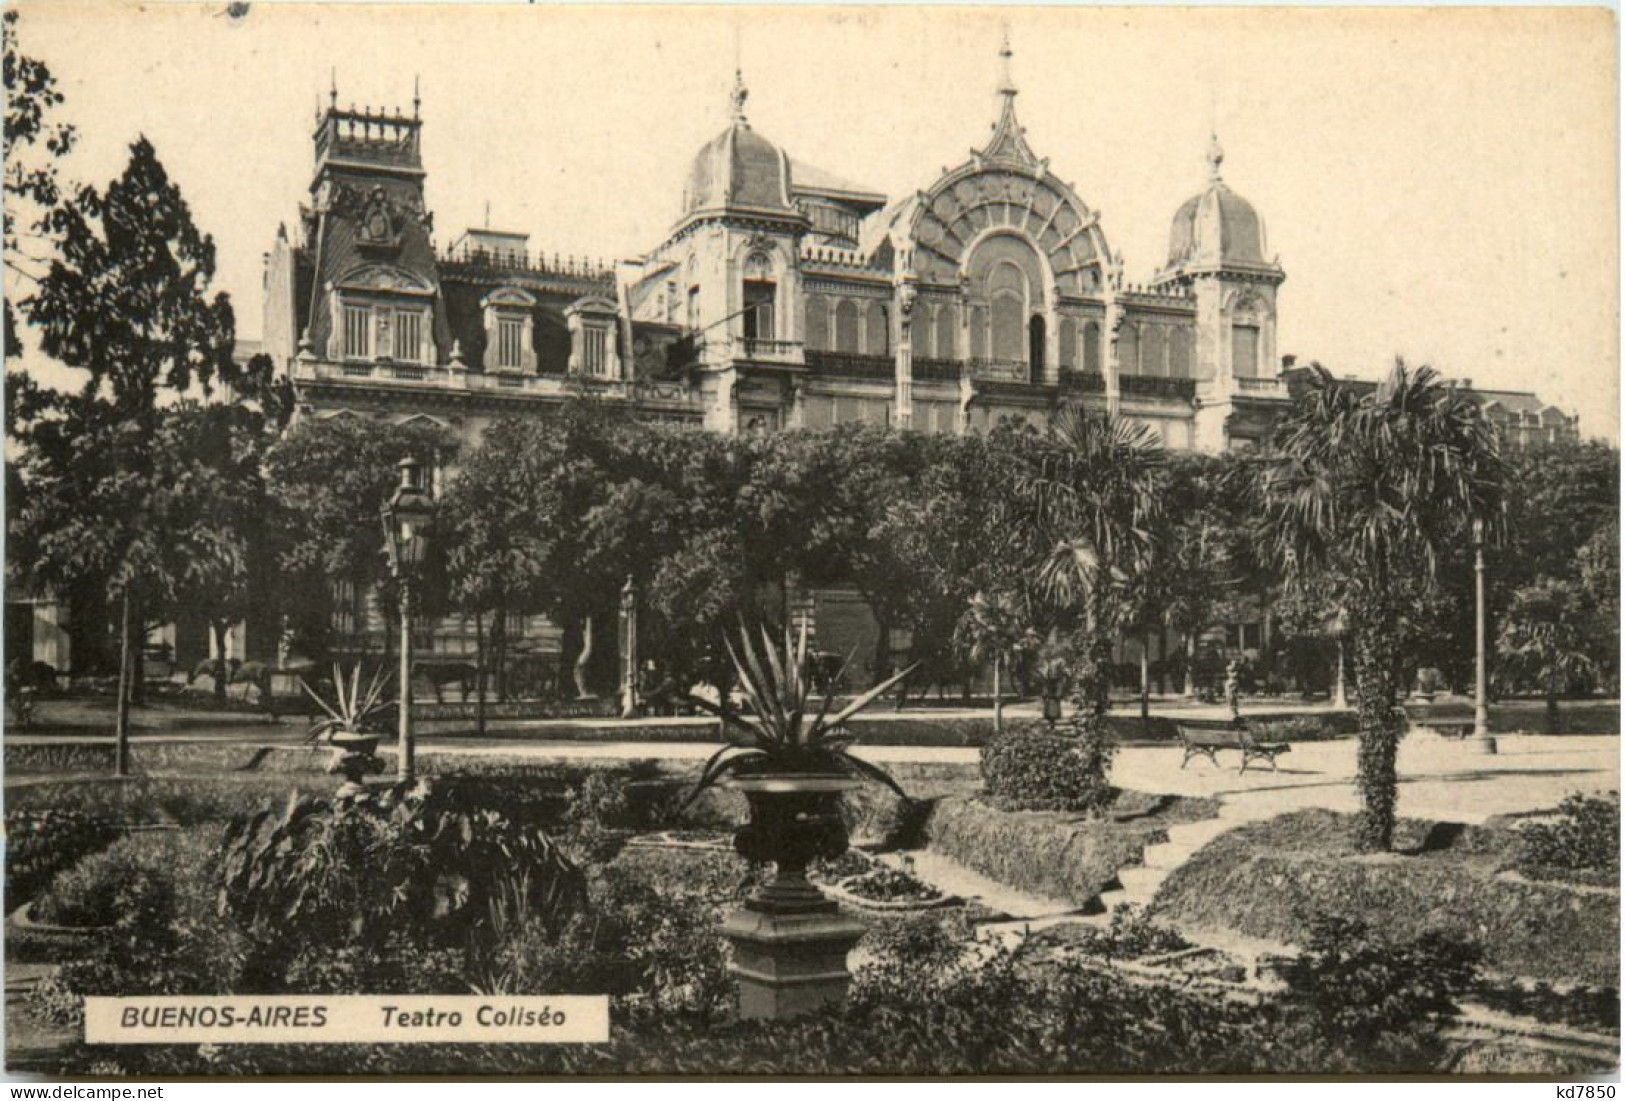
<point x="176" y="481"/>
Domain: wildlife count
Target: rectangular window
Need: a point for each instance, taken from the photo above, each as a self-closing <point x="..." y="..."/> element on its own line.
<point x="1244" y="351"/>
<point x="595" y="351"/>
<point x="409" y="336"/>
<point x="510" y="342"/>
<point x="357" y="332"/>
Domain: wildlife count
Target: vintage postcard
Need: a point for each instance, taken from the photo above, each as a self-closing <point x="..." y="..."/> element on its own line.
<point x="811" y="542"/>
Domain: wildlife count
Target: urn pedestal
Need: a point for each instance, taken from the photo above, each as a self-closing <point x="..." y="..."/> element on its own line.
<point x="790" y="943"/>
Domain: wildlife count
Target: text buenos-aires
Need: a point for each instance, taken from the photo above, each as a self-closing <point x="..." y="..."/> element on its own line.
<point x="224" y="1016"/>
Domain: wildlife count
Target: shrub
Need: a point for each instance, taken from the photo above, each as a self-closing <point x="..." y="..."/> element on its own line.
<point x="164" y="937"/>
<point x="1584" y="1007"/>
<point x="1585" y="836"/>
<point x="1361" y="987"/>
<point x="40" y="843"/>
<point x="90" y="893"/>
<point x="1132" y="934"/>
<point x="1298" y="728"/>
<point x="1032" y="768"/>
<point x="420" y="867"/>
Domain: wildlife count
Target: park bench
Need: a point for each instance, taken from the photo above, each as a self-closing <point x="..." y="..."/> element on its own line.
<point x="1205" y="740"/>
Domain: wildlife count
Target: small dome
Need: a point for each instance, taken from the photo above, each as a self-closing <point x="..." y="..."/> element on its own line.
<point x="1216" y="227"/>
<point x="739" y="168"/>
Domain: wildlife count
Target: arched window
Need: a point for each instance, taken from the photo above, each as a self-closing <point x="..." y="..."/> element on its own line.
<point x="1179" y="353"/>
<point x="1069" y="343"/>
<point x="1091" y="346"/>
<point x="1244" y="351"/>
<point x="877" y="330"/>
<point x="978" y="332"/>
<point x="1128" y="350"/>
<point x="846" y="326"/>
<point x="947" y="333"/>
<point x="760" y="293"/>
<point x="1007" y="288"/>
<point x="1153" y="354"/>
<point x="1035" y="345"/>
<point x="817" y="322"/>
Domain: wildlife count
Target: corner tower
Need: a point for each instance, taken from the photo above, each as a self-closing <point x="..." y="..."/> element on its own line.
<point x="1217" y="253"/>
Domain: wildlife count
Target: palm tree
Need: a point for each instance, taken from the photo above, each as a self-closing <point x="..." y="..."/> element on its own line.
<point x="1544" y="639"/>
<point x="1368" y="491"/>
<point x="1091" y="493"/>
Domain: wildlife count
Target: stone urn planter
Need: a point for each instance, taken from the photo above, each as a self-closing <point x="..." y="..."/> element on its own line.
<point x="792" y="763"/>
<point x="355" y="758"/>
<point x="790" y="942"/>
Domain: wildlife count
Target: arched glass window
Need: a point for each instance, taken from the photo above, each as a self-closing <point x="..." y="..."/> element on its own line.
<point x="846" y="326"/>
<point x="1179" y="353"/>
<point x="978" y="332"/>
<point x="947" y="333"/>
<point x="1128" y="350"/>
<point x="1153" y="354"/>
<point x="1244" y="351"/>
<point x="1091" y="346"/>
<point x="1069" y="343"/>
<point x="760" y="293"/>
<point x="877" y="330"/>
<point x="817" y="322"/>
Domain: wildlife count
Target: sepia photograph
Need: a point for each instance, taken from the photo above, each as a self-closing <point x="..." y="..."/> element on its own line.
<point x="749" y="541"/>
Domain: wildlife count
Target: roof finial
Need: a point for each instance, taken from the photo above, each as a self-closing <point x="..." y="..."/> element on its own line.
<point x="333" y="89"/>
<point x="737" y="99"/>
<point x="417" y="98"/>
<point x="1215" y="158"/>
<point x="1007" y="79"/>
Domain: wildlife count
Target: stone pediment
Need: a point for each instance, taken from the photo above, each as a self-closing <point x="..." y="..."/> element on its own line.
<point x="384" y="279"/>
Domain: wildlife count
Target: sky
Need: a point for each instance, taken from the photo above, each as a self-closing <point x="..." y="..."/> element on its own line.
<point x="1438" y="184"/>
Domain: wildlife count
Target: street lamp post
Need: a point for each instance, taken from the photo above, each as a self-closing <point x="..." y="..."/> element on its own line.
<point x="1483" y="740"/>
<point x="408" y="518"/>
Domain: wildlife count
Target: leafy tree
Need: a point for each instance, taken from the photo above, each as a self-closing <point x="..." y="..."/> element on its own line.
<point x="1369" y="490"/>
<point x="126" y="301"/>
<point x="330" y="479"/>
<point x="31" y="100"/>
<point x="1599" y="577"/>
<point x="995" y="628"/>
<point x="1545" y="640"/>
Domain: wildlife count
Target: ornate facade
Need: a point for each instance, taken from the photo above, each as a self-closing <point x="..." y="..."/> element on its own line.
<point x="782" y="297"/>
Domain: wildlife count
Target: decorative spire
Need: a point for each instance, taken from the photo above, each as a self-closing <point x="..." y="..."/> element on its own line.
<point x="738" y="97"/>
<point x="417" y="96"/>
<point x="1008" y="141"/>
<point x="1007" y="79"/>
<point x="1215" y="158"/>
<point x="333" y="89"/>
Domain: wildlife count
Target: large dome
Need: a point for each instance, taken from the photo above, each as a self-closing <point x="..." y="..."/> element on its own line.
<point x="738" y="168"/>
<point x="1216" y="227"/>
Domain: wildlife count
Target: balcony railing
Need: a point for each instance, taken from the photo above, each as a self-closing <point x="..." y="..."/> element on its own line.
<point x="1262" y="387"/>
<point x="772" y="351"/>
<point x="1084" y="382"/>
<point x="940" y="370"/>
<point x="1000" y="370"/>
<point x="1155" y="386"/>
<point x="852" y="365"/>
<point x="438" y="377"/>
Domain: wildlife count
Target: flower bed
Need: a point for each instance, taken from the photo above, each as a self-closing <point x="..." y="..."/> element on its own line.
<point x="889" y="889"/>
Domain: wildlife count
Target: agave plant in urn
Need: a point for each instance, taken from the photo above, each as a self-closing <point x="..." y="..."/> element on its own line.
<point x="344" y="727"/>
<point x="792" y="764"/>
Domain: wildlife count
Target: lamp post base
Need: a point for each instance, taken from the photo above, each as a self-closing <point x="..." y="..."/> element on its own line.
<point x="1485" y="744"/>
<point x="789" y="964"/>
